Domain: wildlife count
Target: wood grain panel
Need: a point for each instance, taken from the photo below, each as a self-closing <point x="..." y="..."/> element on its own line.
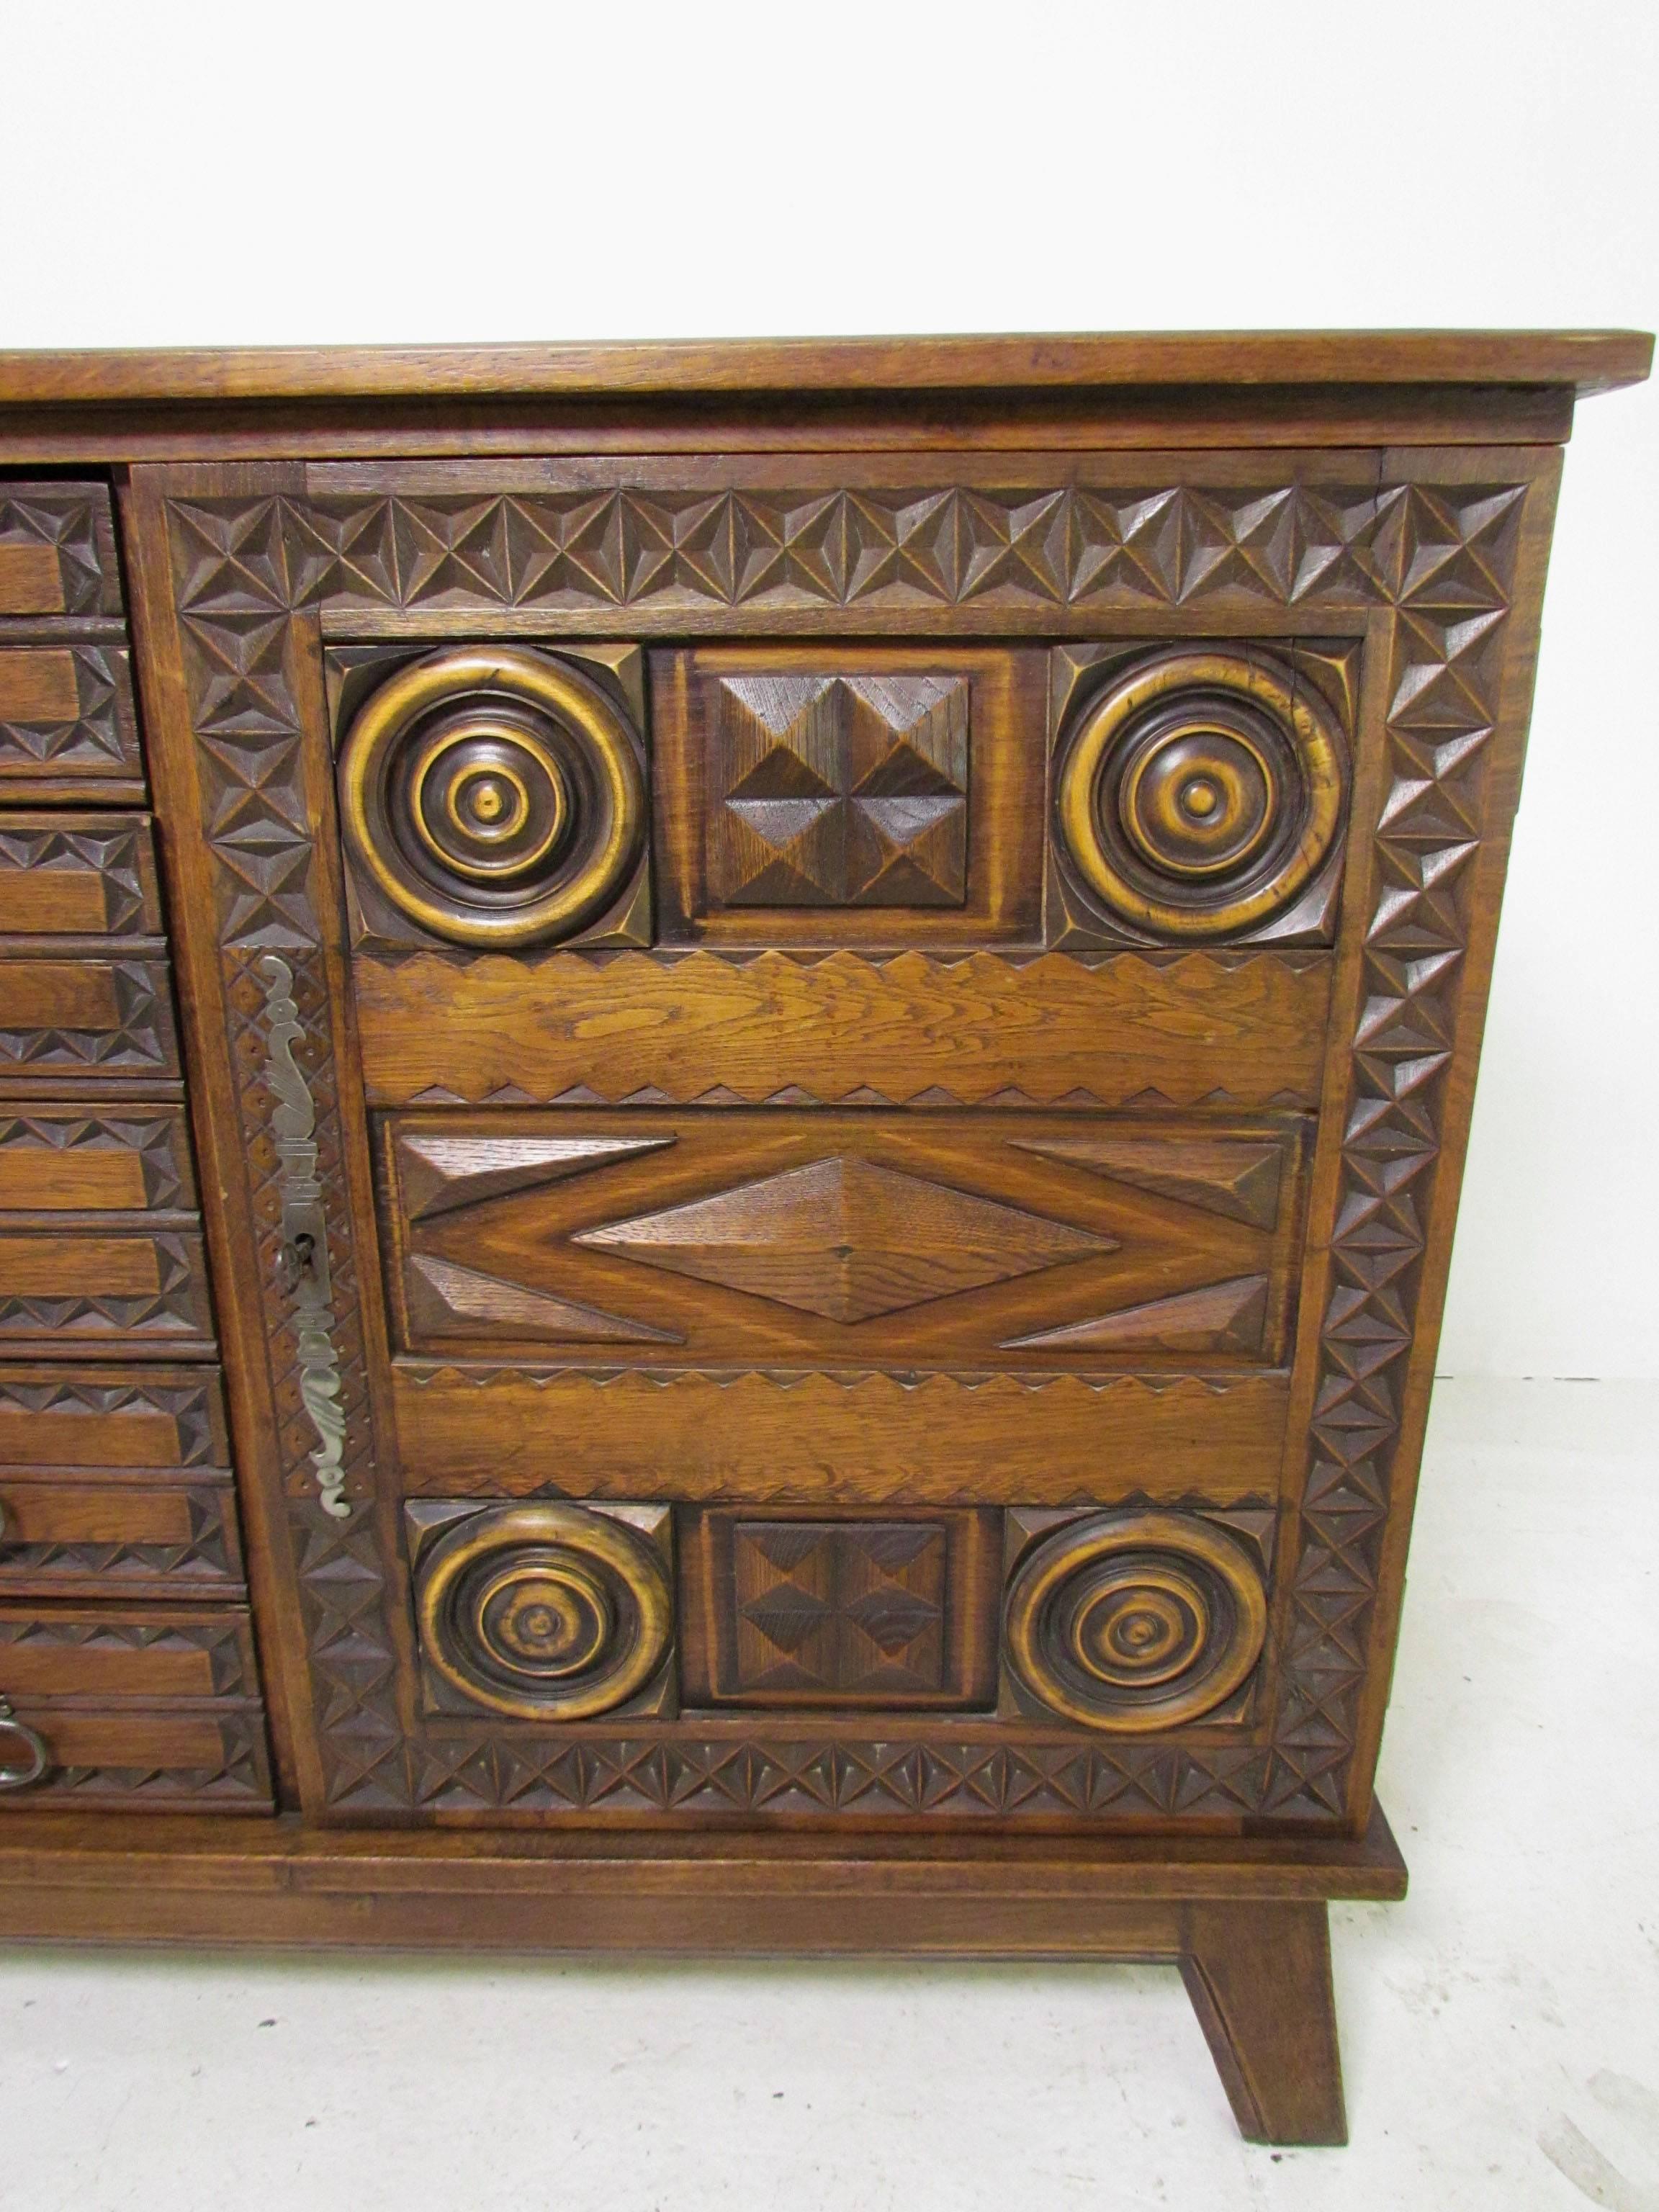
<point x="69" y="1513"/>
<point x="60" y="994"/>
<point x="38" y="684"/>
<point x="822" y="1439"/>
<point x="842" y="1239"/>
<point x="130" y="1740"/>
<point x="88" y="1182"/>
<point x="982" y="1028"/>
<point x="30" y="581"/>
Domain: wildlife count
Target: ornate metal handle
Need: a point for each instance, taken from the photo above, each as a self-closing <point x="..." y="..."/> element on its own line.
<point x="303" y="1261"/>
<point x="40" y="1758"/>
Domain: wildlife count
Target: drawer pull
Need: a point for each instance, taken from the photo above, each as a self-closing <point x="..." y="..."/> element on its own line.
<point x="37" y="1759"/>
<point x="302" y="1258"/>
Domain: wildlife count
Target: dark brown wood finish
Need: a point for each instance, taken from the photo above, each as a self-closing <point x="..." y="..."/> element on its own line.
<point x="830" y="998"/>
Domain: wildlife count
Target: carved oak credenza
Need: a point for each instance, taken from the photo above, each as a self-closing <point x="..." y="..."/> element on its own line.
<point x="732" y="1087"/>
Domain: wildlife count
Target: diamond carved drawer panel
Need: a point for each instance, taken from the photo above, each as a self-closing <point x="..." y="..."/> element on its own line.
<point x="57" y="1160"/>
<point x="845" y="1239"/>
<point x="898" y="1611"/>
<point x="88" y="1024"/>
<point x="97" y="1240"/>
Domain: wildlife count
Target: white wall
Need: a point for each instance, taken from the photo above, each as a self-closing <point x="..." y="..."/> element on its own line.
<point x="180" y="174"/>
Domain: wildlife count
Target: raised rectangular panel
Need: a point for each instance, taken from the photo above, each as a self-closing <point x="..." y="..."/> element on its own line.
<point x="958" y="1241"/>
<point x="917" y="1028"/>
<point x="830" y="794"/>
<point x="73" y="1159"/>
<point x="118" y="1536"/>
<point x="894" y="1610"/>
<point x="147" y="1655"/>
<point x="137" y="1285"/>
<point x="108" y="1419"/>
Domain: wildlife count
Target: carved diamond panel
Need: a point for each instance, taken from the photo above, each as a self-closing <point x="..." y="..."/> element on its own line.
<point x="847" y="1240"/>
<point x="854" y="1610"/>
<point x="842" y="790"/>
<point x="898" y="1611"/>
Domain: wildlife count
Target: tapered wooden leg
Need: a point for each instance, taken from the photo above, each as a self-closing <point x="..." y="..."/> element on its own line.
<point x="1259" y="1976"/>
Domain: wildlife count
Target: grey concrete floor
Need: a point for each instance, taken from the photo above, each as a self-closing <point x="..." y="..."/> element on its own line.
<point x="1500" y="2029"/>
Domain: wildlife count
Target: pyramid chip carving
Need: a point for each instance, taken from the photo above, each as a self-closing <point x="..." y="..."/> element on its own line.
<point x="1229" y="1316"/>
<point x="444" y="1293"/>
<point x="842" y="790"/>
<point x="1239" y="1179"/>
<point x="440" y="1174"/>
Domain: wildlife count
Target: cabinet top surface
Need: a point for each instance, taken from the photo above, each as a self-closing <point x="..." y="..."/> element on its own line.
<point x="1585" y="362"/>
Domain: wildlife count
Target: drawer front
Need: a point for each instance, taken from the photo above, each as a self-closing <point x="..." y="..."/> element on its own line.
<point x="150" y="1422"/>
<point x="144" y="1706"/>
<point x="120" y="1536"/>
<point x="66" y="710"/>
<point x="134" y="1761"/>
<point x="855" y="1240"/>
<point x="115" y="1481"/>
<point x="132" y="1286"/>
<point x="149" y="1655"/>
<point x="97" y="1240"/>
<point x="66" y="1159"/>
<point x="77" y="875"/>
<point x="86" y="1022"/>
<point x="58" y="550"/>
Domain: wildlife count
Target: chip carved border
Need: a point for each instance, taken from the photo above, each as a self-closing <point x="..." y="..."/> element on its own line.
<point x="250" y="574"/>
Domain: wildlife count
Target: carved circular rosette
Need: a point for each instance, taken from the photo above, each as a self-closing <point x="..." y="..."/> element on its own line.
<point x="547" y="1612"/>
<point x="1202" y="793"/>
<point x="493" y="795"/>
<point x="1135" y="1621"/>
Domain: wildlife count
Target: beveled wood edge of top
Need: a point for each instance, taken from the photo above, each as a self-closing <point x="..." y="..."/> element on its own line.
<point x="214" y="1879"/>
<point x="1586" y="360"/>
